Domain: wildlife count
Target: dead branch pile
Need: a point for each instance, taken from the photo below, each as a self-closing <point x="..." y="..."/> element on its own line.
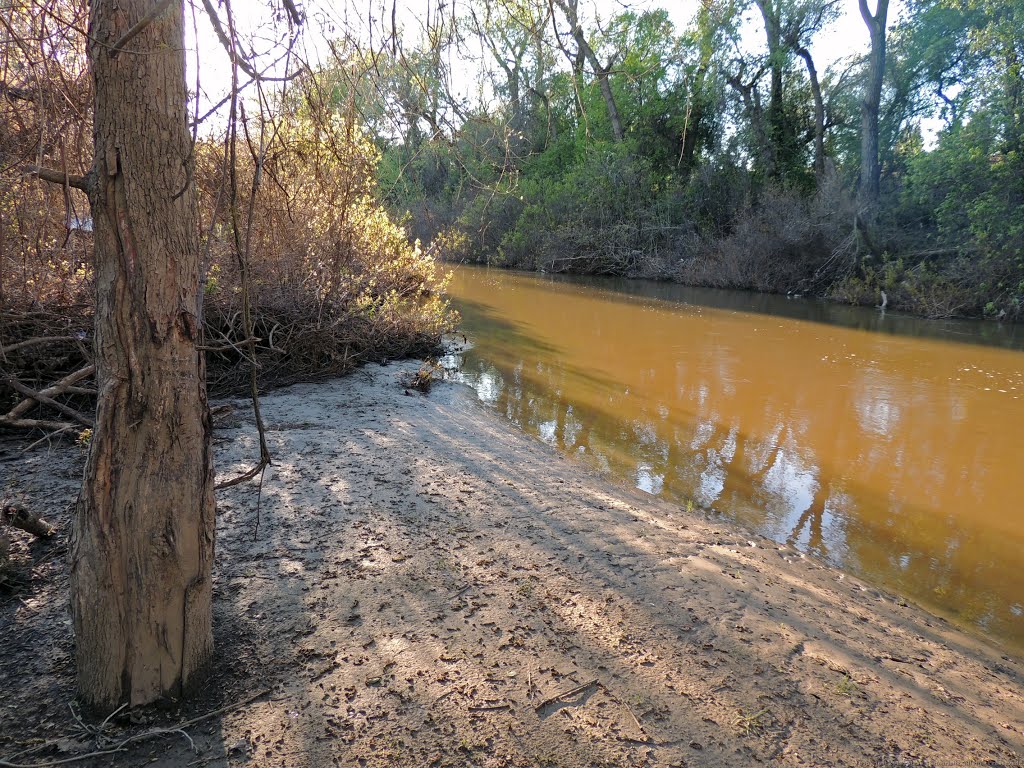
<point x="306" y="277"/>
<point x="46" y="369"/>
<point x="291" y="347"/>
<point x="46" y="357"/>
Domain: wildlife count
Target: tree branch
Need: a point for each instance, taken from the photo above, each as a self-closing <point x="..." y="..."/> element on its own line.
<point x="62" y="426"/>
<point x="83" y="183"/>
<point x="42" y="399"/>
<point x="32" y="342"/>
<point x="293" y="12"/>
<point x="140" y="25"/>
<point x="60" y="388"/>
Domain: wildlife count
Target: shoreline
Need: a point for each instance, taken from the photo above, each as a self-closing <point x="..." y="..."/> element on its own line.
<point x="825" y="301"/>
<point x="972" y="635"/>
<point x="430" y="586"/>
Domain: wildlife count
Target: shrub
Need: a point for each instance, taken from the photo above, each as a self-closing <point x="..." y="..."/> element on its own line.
<point x="783" y="242"/>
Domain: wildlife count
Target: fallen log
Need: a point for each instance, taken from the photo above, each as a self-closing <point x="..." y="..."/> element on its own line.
<point x="18" y="515"/>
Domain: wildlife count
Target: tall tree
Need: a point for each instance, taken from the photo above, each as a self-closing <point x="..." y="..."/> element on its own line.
<point x="779" y="127"/>
<point x="508" y="50"/>
<point x="602" y="72"/>
<point x="807" y="20"/>
<point x="144" y="529"/>
<point x="750" y="98"/>
<point x="513" y="31"/>
<point x="870" y="169"/>
<point x="700" y="78"/>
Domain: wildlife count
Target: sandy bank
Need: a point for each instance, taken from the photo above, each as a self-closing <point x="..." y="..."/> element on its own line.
<point x="425" y="581"/>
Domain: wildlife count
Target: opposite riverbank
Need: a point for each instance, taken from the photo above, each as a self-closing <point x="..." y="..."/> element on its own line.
<point x="427" y="586"/>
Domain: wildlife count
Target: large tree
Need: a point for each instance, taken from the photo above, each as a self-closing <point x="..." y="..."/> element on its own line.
<point x="870" y="168"/>
<point x="585" y="52"/>
<point x="144" y="528"/>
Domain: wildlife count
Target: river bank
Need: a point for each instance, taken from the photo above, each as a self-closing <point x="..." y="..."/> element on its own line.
<point x="904" y="293"/>
<point x="422" y="585"/>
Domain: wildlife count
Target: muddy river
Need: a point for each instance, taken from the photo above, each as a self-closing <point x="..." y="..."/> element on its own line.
<point x="889" y="446"/>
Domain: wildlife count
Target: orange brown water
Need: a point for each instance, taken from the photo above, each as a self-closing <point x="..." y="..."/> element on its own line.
<point x="889" y="446"/>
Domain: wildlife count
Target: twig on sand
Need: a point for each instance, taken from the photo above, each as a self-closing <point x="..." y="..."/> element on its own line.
<point x="564" y="694"/>
<point x="489" y="707"/>
<point x="221" y="711"/>
<point x="153" y="732"/>
<point x="750" y="724"/>
<point x="50" y="436"/>
<point x="635" y="718"/>
<point x="444" y="696"/>
<point x="65" y="761"/>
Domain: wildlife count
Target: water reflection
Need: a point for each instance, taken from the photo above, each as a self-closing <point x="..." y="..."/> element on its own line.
<point x="895" y="456"/>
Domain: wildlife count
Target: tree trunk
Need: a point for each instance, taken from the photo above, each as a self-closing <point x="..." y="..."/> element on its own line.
<point x="603" y="81"/>
<point x="569" y="8"/>
<point x="144" y="529"/>
<point x="776" y="59"/>
<point x="779" y="129"/>
<point x="819" y="114"/>
<point x="764" y="149"/>
<point x="870" y="169"/>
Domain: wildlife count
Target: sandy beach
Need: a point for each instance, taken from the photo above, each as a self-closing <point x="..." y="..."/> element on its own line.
<point x="420" y="584"/>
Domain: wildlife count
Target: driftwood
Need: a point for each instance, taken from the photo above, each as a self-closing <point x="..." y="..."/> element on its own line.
<point x="17" y="515"/>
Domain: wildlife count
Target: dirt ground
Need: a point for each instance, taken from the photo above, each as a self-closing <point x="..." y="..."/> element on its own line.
<point x="427" y="586"/>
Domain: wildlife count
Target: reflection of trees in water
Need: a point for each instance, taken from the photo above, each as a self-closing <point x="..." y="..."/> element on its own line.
<point x="939" y="561"/>
<point x="812" y="518"/>
<point x="651" y="444"/>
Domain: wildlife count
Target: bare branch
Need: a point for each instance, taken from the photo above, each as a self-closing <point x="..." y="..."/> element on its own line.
<point x="293" y="12"/>
<point x="59" y="388"/>
<point x="32" y="342"/>
<point x="42" y="399"/>
<point x="140" y="25"/>
<point x="83" y="183"/>
<point x="60" y="426"/>
<point x="232" y="49"/>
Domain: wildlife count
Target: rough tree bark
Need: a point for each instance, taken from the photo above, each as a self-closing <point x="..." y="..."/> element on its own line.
<point x="870" y="170"/>
<point x="144" y="529"/>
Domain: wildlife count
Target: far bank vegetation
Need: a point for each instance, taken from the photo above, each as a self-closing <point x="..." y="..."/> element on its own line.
<point x="728" y="151"/>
